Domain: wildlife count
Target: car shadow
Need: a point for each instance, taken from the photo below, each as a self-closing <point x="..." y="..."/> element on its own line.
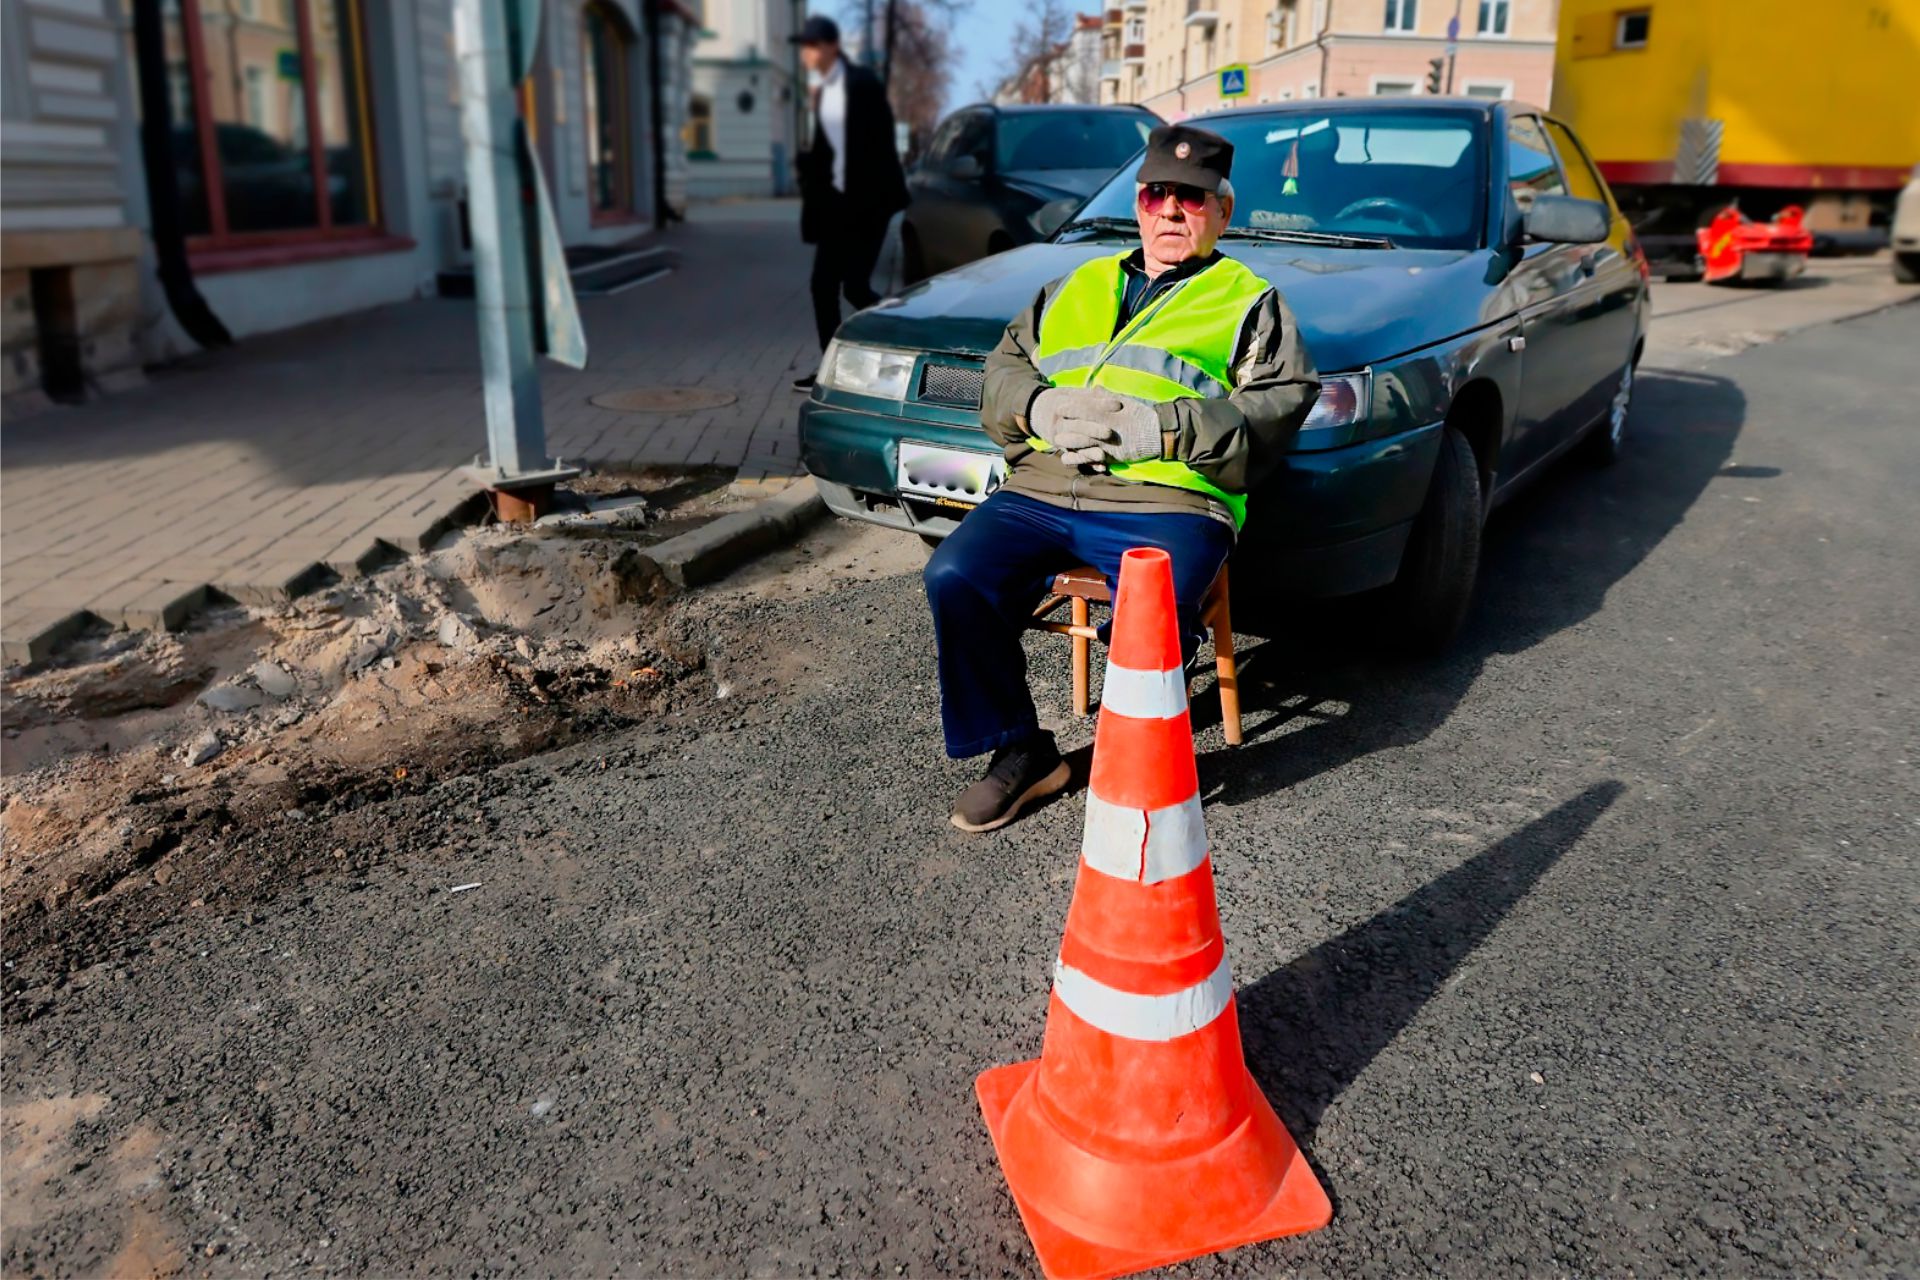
<point x="1322" y="690"/>
<point x="1312" y="1026"/>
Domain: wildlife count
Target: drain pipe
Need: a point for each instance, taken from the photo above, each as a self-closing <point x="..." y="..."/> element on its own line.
<point x="184" y="299"/>
<point x="663" y="214"/>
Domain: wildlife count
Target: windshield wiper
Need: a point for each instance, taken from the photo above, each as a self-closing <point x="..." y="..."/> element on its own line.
<point x="1101" y="224"/>
<point x="1338" y="240"/>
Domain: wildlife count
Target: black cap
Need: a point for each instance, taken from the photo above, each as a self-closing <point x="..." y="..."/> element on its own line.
<point x="1180" y="153"/>
<point x="818" y="30"/>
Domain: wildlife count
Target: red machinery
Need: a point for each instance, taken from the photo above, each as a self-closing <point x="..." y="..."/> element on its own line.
<point x="1735" y="247"/>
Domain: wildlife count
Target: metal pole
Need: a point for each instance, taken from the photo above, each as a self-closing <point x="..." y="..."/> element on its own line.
<point x="1453" y="47"/>
<point x="496" y="213"/>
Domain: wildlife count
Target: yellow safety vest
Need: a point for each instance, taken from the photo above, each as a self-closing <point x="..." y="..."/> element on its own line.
<point x="1181" y="346"/>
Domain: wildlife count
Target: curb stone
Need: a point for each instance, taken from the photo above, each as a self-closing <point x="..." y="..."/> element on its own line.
<point x="714" y="550"/>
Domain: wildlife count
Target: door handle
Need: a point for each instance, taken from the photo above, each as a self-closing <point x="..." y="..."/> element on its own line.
<point x="1588" y="262"/>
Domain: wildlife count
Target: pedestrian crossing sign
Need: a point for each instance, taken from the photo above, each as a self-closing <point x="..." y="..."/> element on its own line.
<point x="1233" y="81"/>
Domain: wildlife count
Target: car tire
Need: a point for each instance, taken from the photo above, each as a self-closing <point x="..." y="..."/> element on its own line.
<point x="913" y="264"/>
<point x="1906" y="268"/>
<point x="1607" y="440"/>
<point x="1428" y="601"/>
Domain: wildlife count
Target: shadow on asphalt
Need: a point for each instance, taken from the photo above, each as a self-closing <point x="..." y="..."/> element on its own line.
<point x="1322" y="691"/>
<point x="1312" y="1027"/>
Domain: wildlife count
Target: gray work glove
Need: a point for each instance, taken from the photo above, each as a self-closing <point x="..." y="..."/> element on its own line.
<point x="1055" y="405"/>
<point x="1121" y="430"/>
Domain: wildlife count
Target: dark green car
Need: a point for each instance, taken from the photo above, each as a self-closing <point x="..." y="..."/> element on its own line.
<point x="1472" y="298"/>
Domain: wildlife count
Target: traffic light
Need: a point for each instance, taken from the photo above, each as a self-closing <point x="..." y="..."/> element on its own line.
<point x="1436" y="74"/>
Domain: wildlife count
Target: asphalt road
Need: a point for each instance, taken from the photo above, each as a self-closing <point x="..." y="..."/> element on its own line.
<point x="1590" y="949"/>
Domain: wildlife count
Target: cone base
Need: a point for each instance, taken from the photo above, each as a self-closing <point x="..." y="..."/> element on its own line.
<point x="1299" y="1204"/>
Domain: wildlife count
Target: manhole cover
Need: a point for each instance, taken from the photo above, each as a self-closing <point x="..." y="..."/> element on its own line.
<point x="664" y="399"/>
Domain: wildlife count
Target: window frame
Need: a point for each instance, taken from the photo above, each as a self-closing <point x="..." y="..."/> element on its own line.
<point x="1620" y="20"/>
<point x="220" y="238"/>
<point x="1488" y="8"/>
<point x="1548" y="124"/>
<point x="1374" y="83"/>
<point x="1505" y="87"/>
<point x="624" y="210"/>
<point x="1408" y="13"/>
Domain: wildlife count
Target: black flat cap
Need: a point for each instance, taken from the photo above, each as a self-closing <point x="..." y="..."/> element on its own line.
<point x="1181" y="153"/>
<point x="817" y="30"/>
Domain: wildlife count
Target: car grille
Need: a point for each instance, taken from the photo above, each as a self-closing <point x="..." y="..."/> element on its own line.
<point x="954" y="384"/>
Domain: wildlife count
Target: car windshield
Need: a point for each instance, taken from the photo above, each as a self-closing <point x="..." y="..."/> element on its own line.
<point x="1069" y="139"/>
<point x="1414" y="177"/>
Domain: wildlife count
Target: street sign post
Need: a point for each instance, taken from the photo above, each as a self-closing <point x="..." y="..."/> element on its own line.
<point x="523" y="296"/>
<point x="1453" y="42"/>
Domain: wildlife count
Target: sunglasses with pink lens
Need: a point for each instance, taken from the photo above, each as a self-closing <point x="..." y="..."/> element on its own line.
<point x="1154" y="197"/>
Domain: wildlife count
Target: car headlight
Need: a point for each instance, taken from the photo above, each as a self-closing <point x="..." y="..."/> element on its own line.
<point x="1339" y="414"/>
<point x="866" y="371"/>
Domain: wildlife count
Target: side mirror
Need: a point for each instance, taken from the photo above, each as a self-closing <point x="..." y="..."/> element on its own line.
<point x="1050" y="217"/>
<point x="966" y="168"/>
<point x="1567" y="220"/>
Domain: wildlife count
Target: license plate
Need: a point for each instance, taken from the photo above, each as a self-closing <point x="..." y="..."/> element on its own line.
<point x="949" y="477"/>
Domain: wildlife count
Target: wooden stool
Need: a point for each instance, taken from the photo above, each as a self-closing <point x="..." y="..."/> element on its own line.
<point x="1081" y="588"/>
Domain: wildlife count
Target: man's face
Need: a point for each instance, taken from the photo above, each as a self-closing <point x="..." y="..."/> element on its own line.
<point x="819" y="58"/>
<point x="1179" y="222"/>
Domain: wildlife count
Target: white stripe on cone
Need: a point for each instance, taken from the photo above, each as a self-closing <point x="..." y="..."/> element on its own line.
<point x="1147" y="845"/>
<point x="1144" y="695"/>
<point x="1137" y="1017"/>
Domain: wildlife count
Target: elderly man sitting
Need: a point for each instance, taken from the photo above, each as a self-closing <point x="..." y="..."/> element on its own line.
<point x="1138" y="400"/>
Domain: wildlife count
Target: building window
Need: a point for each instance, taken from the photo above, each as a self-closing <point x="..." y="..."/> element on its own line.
<point x="1311" y="89"/>
<point x="1493" y="17"/>
<point x="1494" y="89"/>
<point x="1630" y="29"/>
<point x="609" y="113"/>
<point x="699" y="129"/>
<point x="256" y="112"/>
<point x="271" y="136"/>
<point x="1403" y="15"/>
<point x="1386" y="87"/>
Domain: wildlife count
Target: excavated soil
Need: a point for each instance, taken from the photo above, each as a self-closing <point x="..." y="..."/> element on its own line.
<point x="145" y="775"/>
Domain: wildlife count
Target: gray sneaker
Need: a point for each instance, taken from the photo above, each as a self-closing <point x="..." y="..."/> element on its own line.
<point x="1020" y="774"/>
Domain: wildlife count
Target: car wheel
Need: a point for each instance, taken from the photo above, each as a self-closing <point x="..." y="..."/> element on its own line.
<point x="1606" y="442"/>
<point x="913" y="265"/>
<point x="1906" y="268"/>
<point x="1428" y="601"/>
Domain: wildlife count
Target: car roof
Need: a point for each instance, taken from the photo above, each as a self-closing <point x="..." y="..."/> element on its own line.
<point x="1422" y="103"/>
<point x="1038" y="108"/>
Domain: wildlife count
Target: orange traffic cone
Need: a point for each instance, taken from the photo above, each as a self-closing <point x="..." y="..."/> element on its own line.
<point x="1138" y="1138"/>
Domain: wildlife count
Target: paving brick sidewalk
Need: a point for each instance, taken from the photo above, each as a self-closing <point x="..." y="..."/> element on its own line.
<point x="256" y="471"/>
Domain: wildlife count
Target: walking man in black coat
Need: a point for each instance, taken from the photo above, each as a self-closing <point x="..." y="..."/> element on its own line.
<point x="851" y="184"/>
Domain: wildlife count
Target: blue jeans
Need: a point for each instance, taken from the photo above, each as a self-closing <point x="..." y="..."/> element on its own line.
<point x="988" y="576"/>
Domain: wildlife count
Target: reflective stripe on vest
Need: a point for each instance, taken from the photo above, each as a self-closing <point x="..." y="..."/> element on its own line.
<point x="1180" y="347"/>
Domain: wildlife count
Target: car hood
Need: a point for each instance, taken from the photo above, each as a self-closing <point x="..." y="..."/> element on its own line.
<point x="1056" y="184"/>
<point x="1355" y="307"/>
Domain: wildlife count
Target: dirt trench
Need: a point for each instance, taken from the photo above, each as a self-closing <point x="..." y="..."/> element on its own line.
<point x="147" y="775"/>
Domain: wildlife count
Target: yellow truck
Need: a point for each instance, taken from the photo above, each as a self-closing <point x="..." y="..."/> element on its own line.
<point x="1691" y="105"/>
